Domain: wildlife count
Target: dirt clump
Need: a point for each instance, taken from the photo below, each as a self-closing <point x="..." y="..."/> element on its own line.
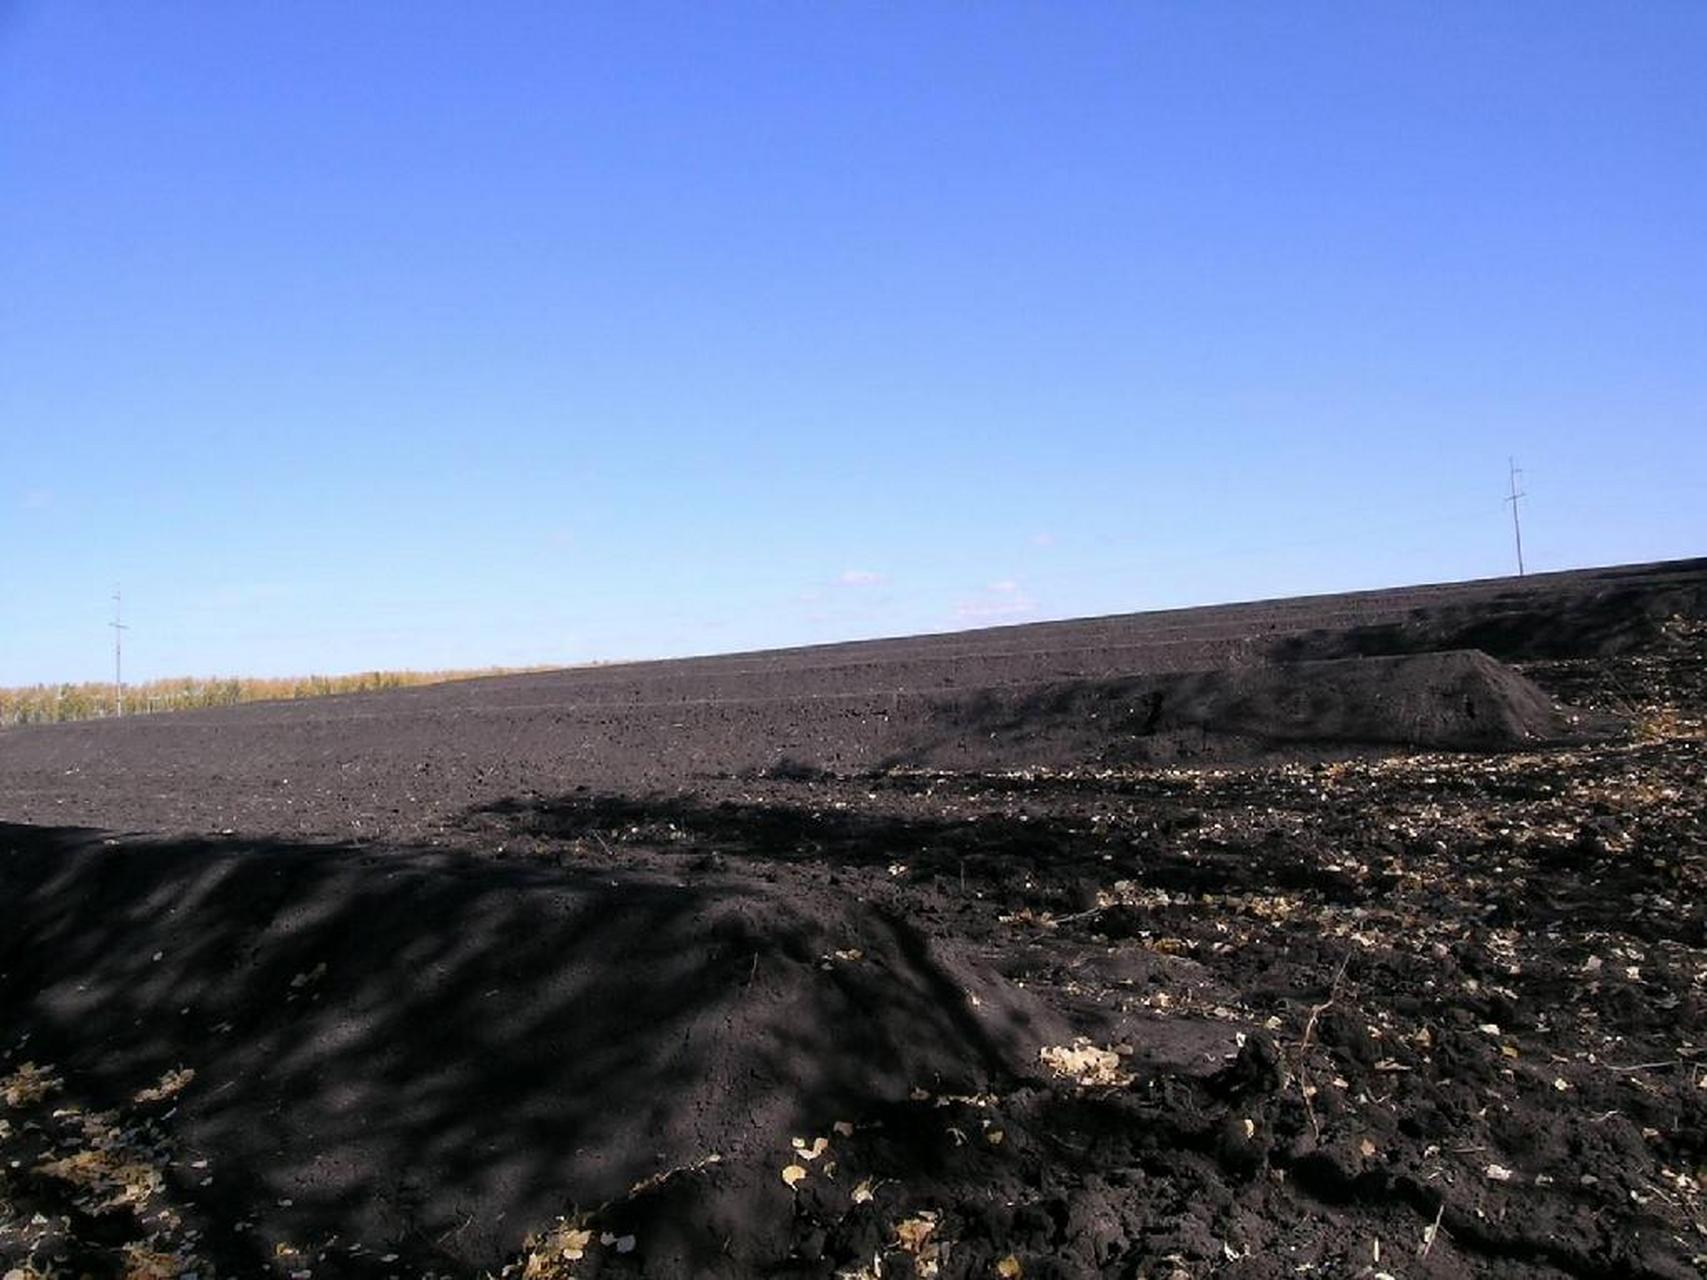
<point x="425" y="1045"/>
<point x="1455" y="701"/>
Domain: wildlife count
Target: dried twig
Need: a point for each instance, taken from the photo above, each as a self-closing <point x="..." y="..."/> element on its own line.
<point x="1304" y="1087"/>
<point x="1433" y="1232"/>
<point x="1079" y="915"/>
<point x="1319" y="1010"/>
<point x="455" y="1231"/>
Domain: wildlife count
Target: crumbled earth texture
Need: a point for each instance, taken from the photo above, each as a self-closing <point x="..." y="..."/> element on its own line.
<point x="1352" y="936"/>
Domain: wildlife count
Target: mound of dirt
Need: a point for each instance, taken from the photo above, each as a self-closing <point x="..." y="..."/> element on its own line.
<point x="433" y="1054"/>
<point x="1458" y="701"/>
<point x="1595" y="614"/>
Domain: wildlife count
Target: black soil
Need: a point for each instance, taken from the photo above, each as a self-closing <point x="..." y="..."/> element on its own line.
<point x="1272" y="940"/>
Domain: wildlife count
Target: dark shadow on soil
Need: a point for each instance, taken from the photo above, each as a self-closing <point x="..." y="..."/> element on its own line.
<point x="435" y="1053"/>
<point x="992" y="852"/>
<point x="1515" y="626"/>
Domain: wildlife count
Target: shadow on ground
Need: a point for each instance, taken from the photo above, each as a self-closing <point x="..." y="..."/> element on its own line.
<point x="1034" y="856"/>
<point x="435" y="1053"/>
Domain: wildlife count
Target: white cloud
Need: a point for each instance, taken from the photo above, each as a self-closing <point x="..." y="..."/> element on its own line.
<point x="1001" y="599"/>
<point x="37" y="499"/>
<point x="860" y="578"/>
<point x="1044" y="539"/>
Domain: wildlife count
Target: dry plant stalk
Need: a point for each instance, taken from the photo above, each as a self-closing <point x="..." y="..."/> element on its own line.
<point x="1303" y="1051"/>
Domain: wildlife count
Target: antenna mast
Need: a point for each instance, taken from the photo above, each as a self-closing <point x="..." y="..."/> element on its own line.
<point x="1516" y="525"/>
<point x="119" y="628"/>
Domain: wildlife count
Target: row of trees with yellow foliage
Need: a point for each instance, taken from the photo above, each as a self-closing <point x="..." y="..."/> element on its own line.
<point x="53" y="703"/>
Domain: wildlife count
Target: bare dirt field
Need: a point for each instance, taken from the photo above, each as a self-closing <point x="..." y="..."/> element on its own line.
<point x="1342" y="936"/>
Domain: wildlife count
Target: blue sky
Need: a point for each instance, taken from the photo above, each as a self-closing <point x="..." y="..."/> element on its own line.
<point x="350" y="336"/>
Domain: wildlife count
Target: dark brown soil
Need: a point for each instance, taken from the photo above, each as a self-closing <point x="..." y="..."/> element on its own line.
<point x="784" y="965"/>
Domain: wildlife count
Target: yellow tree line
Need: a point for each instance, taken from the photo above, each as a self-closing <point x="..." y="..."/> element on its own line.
<point x="54" y="703"/>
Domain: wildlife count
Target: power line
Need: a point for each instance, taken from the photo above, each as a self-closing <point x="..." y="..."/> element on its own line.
<point x="119" y="628"/>
<point x="1516" y="525"/>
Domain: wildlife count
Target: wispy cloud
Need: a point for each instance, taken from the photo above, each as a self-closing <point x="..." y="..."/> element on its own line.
<point x="1002" y="599"/>
<point x="850" y="599"/>
<point x="1044" y="539"/>
<point x="36" y="499"/>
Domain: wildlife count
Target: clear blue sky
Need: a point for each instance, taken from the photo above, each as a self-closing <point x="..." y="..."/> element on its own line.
<point x="377" y="335"/>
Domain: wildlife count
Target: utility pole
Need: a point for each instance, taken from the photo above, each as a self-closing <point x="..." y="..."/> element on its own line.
<point x="119" y="628"/>
<point x="1516" y="526"/>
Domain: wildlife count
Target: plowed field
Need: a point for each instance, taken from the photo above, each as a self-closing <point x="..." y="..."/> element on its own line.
<point x="1342" y="936"/>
